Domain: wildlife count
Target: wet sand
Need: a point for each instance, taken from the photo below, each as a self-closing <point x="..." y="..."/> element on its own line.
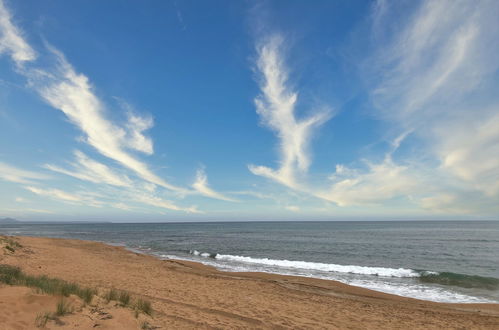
<point x="187" y="295"/>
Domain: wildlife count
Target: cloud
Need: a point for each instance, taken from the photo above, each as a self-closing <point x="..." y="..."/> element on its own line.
<point x="62" y="87"/>
<point x="379" y="183"/>
<point x="71" y="93"/>
<point x="276" y="107"/>
<point x="152" y="200"/>
<point x="13" y="174"/>
<point x="56" y="194"/>
<point x="136" y="140"/>
<point x="201" y="186"/>
<point x="471" y="152"/>
<point x="11" y="40"/>
<point x="88" y="169"/>
<point x="437" y="78"/>
<point x="136" y="125"/>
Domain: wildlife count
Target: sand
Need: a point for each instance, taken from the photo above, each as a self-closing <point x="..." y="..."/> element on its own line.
<point x="187" y="295"/>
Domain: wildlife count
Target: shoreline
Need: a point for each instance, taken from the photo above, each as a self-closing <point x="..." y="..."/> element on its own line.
<point x="184" y="292"/>
<point x="469" y="298"/>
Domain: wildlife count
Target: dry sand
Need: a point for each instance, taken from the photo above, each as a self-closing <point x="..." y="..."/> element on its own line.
<point x="188" y="295"/>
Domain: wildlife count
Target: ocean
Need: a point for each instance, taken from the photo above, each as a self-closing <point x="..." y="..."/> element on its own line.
<point x="444" y="261"/>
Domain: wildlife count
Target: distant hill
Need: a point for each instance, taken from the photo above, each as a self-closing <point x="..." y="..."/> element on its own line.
<point x="9" y="220"/>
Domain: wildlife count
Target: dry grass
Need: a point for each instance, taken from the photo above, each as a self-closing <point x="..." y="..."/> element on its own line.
<point x="14" y="276"/>
<point x="42" y="319"/>
<point x="63" y="308"/>
<point x="124" y="298"/>
<point x="143" y="306"/>
<point x="112" y="294"/>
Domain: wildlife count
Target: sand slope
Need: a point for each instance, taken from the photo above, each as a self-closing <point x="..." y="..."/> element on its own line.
<point x="20" y="306"/>
<point x="188" y="295"/>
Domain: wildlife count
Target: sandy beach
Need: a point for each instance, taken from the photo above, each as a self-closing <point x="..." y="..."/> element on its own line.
<point x="186" y="295"/>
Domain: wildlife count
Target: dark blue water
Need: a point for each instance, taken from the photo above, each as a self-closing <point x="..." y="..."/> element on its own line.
<point x="452" y="261"/>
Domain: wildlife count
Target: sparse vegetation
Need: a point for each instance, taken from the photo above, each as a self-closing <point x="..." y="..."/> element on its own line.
<point x="62" y="308"/>
<point x="87" y="294"/>
<point x="112" y="294"/>
<point x="42" y="319"/>
<point x="10" y="244"/>
<point x="121" y="296"/>
<point x="14" y="276"/>
<point x="11" y="275"/>
<point x="143" y="306"/>
<point x="124" y="298"/>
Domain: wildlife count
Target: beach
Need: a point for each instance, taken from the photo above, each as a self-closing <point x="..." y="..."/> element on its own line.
<point x="190" y="295"/>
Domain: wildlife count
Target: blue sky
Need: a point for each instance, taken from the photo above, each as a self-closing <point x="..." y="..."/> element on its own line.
<point x="249" y="110"/>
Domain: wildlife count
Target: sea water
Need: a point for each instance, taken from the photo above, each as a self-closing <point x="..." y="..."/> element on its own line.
<point x="445" y="261"/>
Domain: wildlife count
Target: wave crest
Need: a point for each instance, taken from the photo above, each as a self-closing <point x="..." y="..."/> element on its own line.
<point x="317" y="266"/>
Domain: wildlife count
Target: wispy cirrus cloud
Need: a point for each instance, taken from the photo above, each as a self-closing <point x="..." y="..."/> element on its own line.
<point x="62" y="87"/>
<point x="432" y="79"/>
<point x="13" y="174"/>
<point x="276" y="106"/>
<point x="379" y="183"/>
<point x="202" y="187"/>
<point x="58" y="194"/>
<point x="150" y="199"/>
<point x="71" y="93"/>
<point x="11" y="40"/>
<point x="436" y="77"/>
<point x="90" y="170"/>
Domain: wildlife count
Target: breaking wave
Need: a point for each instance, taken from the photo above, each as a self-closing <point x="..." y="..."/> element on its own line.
<point x="306" y="265"/>
<point x="424" y="276"/>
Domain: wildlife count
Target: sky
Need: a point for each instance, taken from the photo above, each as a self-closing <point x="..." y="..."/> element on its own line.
<point x="249" y="110"/>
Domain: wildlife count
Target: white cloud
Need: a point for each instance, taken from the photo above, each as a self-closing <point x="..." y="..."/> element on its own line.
<point x="11" y="40"/>
<point x="156" y="201"/>
<point x="13" y="174"/>
<point x="201" y="186"/>
<point x="70" y="92"/>
<point x="136" y="125"/>
<point x="381" y="182"/>
<point x="56" y="194"/>
<point x="276" y="107"/>
<point x="437" y="77"/>
<point x="471" y="153"/>
<point x="88" y="169"/>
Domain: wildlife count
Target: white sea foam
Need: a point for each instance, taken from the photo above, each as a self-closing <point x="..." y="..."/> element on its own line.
<point x="396" y="285"/>
<point x="201" y="254"/>
<point x="317" y="266"/>
<point x="399" y="281"/>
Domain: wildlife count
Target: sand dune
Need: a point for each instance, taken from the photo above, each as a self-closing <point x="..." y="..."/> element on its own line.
<point x="188" y="295"/>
